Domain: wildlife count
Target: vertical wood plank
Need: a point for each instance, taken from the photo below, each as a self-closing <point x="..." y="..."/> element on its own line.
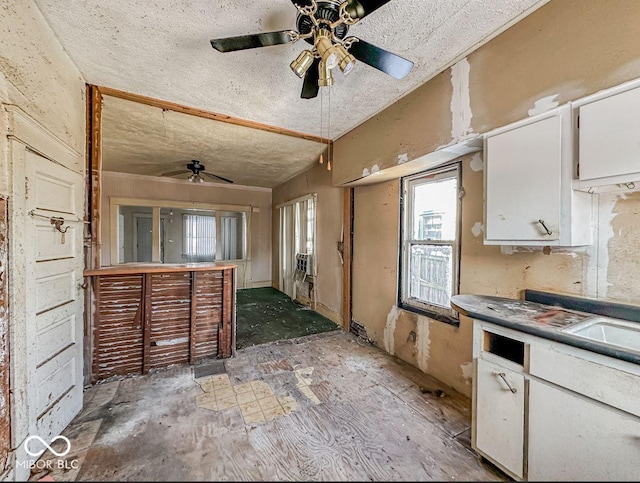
<point x="232" y="317"/>
<point x="146" y="317"/>
<point x="94" y="162"/>
<point x="5" y="393"/>
<point x="93" y="165"/>
<point x="224" y="342"/>
<point x="194" y="306"/>
<point x="347" y="220"/>
<point x="95" y="366"/>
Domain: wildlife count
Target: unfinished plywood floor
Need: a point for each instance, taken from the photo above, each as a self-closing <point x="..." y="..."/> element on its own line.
<point x="320" y="407"/>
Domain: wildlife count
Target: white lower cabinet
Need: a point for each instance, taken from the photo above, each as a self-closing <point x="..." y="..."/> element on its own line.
<point x="500" y="415"/>
<point x="575" y="438"/>
<point x="547" y="411"/>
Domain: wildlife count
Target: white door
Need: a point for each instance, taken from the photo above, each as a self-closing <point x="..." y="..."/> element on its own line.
<point x="54" y="321"/>
<point x="500" y="415"/>
<point x="143" y="238"/>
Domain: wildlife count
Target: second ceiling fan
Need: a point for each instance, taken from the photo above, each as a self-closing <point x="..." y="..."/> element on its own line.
<point x="324" y="24"/>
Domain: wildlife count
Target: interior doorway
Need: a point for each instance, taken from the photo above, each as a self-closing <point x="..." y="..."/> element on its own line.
<point x="144" y="238"/>
<point x="297" y="235"/>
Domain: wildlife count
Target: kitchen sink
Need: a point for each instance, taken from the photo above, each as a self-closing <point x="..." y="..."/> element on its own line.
<point x="617" y="333"/>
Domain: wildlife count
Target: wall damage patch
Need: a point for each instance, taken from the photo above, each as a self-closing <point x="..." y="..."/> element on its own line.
<point x="460" y="101"/>
<point x="467" y="372"/>
<point x="476" y="163"/>
<point x="477" y="229"/>
<point x="390" y="329"/>
<point x="422" y="343"/>
<point x="543" y="105"/>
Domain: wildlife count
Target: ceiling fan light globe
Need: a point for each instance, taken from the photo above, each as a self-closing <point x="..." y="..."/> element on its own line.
<point x="347" y="63"/>
<point x="302" y="63"/>
<point x="332" y="60"/>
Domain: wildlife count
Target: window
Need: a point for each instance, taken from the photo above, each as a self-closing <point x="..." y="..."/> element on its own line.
<point x="430" y="242"/>
<point x="199" y="237"/>
<point x="168" y="231"/>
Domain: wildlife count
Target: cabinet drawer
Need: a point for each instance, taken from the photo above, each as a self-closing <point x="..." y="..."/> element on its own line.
<point x="564" y="366"/>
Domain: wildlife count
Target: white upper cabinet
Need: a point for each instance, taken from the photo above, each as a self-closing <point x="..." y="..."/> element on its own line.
<point x="609" y="137"/>
<point x="528" y="184"/>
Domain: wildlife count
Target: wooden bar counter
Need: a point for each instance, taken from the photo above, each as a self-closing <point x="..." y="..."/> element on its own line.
<point x="151" y="315"/>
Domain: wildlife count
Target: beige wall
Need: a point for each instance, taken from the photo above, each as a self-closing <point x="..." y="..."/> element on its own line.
<point x="118" y="185"/>
<point x="328" y="230"/>
<point x="563" y="51"/>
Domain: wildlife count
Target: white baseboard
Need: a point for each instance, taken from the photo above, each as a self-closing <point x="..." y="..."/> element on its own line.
<point x="260" y="284"/>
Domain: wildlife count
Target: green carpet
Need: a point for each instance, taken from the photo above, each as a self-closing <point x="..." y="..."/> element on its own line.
<point x="266" y="315"/>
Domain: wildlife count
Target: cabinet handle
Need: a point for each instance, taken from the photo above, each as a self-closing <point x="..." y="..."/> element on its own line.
<point x="504" y="378"/>
<point x="545" y="227"/>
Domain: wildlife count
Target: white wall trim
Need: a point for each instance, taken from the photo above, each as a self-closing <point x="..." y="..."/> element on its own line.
<point x="159" y="179"/>
<point x="297" y="200"/>
<point x="28" y="131"/>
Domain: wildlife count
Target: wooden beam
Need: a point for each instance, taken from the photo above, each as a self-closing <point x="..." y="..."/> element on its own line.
<point x="347" y="252"/>
<point x="215" y="116"/>
<point x="146" y="317"/>
<point x="224" y="340"/>
<point x="94" y="169"/>
<point x="95" y="329"/>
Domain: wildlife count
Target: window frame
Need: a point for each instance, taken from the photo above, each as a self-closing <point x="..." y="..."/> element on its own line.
<point x="156" y="205"/>
<point x="448" y="171"/>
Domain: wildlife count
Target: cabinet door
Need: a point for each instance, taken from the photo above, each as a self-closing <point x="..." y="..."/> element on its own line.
<point x="499" y="414"/>
<point x="523" y="176"/>
<point x="609" y="139"/>
<point x="574" y="438"/>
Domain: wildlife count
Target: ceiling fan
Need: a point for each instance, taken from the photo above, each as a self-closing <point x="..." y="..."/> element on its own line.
<point x="196" y="169"/>
<point x="324" y="24"/>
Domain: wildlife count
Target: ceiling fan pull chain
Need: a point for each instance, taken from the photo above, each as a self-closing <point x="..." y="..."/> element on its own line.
<point x="329" y="153"/>
<point x="321" y="160"/>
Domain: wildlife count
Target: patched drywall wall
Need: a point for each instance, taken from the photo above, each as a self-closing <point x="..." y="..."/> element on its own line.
<point x="328" y="231"/>
<point x="622" y="212"/>
<point x="415" y="125"/>
<point x="603" y="270"/>
<point x="120" y="185"/>
<point x="375" y="259"/>
<point x="563" y="51"/>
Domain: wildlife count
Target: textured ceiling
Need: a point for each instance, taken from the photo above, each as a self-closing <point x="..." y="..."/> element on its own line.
<point x="161" y="49"/>
<point x="141" y="139"/>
